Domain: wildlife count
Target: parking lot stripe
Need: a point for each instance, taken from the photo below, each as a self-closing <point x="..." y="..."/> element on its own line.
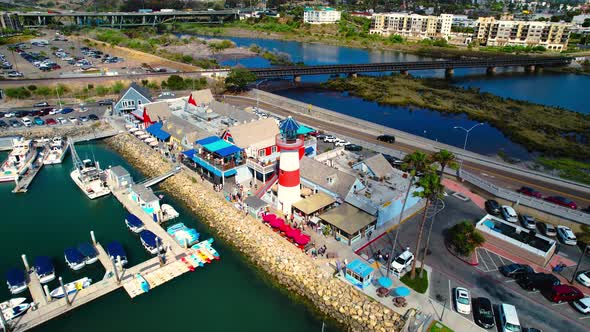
<point x="511" y="280"/>
<point x="581" y="318"/>
<point x="482" y="260"/>
<point x="494" y="263"/>
<point x="450" y="295"/>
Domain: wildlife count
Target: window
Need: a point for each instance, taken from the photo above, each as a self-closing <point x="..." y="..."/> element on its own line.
<point x="138" y="102"/>
<point x="273" y="149"/>
<point x="128" y="103"/>
<point x="261" y="153"/>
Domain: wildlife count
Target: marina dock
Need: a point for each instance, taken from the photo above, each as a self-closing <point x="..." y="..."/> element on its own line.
<point x="23" y="183"/>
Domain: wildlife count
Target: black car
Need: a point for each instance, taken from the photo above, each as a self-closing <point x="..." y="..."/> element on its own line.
<point x="492" y="207"/>
<point x="482" y="313"/>
<point x="21" y="114"/>
<point x="395" y="162"/>
<point x="514" y="270"/>
<point x="353" y="147"/>
<point x="41" y="104"/>
<point x="537" y="281"/>
<point x="386" y="138"/>
<point x="93" y="117"/>
<point x="16" y="123"/>
<point x="105" y="102"/>
<point x="3" y="124"/>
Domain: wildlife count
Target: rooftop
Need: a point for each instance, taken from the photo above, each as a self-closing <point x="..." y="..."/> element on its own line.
<point x="146" y="194"/>
<point x="379" y="166"/>
<point x="119" y="171"/>
<point x="260" y="132"/>
<point x="347" y="218"/>
<point x="314" y="203"/>
<point x="326" y="177"/>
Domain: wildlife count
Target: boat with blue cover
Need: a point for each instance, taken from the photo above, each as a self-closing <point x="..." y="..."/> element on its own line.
<point x="44" y="269"/>
<point x="74" y="258"/>
<point x="89" y="252"/>
<point x="150" y="241"/>
<point x="134" y="223"/>
<point x="115" y="249"/>
<point x="16" y="279"/>
<point x="185" y="236"/>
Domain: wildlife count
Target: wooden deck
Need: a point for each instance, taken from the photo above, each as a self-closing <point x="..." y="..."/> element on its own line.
<point x="23" y="184"/>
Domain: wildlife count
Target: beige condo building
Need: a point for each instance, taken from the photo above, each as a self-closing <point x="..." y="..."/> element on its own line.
<point x="412" y="26"/>
<point x="492" y="32"/>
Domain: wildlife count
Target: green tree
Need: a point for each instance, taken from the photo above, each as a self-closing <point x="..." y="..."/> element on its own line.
<point x="431" y="190"/>
<point x="238" y="79"/>
<point x="175" y="82"/>
<point x="464" y="238"/>
<point x="396" y="39"/>
<point x="444" y="158"/>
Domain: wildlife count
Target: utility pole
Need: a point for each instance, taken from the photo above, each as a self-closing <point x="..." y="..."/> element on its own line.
<point x="579" y="262"/>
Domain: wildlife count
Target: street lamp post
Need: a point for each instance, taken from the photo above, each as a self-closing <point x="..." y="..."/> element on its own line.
<point x="578" y="265"/>
<point x="257" y="91"/>
<point x="467" y="131"/>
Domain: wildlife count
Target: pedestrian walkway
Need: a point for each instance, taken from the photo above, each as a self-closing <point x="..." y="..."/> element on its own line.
<point x="459" y="188"/>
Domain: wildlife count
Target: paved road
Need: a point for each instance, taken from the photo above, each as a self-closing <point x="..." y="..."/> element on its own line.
<point x="502" y="178"/>
<point x="484" y="280"/>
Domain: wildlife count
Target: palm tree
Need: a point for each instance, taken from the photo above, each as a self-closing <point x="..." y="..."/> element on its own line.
<point x="444" y="158"/>
<point x="414" y="163"/>
<point x="431" y="190"/>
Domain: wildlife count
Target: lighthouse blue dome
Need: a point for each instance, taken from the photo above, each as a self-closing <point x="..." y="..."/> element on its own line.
<point x="289" y="128"/>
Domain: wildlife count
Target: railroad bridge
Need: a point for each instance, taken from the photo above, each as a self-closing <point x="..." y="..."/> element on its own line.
<point x="529" y="63"/>
<point x="124" y="19"/>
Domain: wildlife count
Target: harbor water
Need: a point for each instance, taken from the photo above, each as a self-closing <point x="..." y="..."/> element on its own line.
<point x="227" y="295"/>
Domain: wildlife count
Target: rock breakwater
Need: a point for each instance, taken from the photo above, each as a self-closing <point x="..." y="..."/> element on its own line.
<point x="288" y="265"/>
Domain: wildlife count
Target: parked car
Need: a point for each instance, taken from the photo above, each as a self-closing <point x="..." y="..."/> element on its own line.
<point x="27" y="122"/>
<point x="493" y="207"/>
<point x="61" y="120"/>
<point x="38" y="121"/>
<point x="462" y="301"/>
<point x="83" y="118"/>
<point x="402" y="262"/>
<point x="66" y="110"/>
<point x="341" y="143"/>
<point x="93" y="117"/>
<point x="566" y="235"/>
<point x="45" y="111"/>
<point x="563" y="201"/>
<point x="582" y="305"/>
<point x="483" y="314"/>
<point x="9" y="114"/>
<point x="353" y="147"/>
<point x="51" y="122"/>
<point x="105" y="102"/>
<point x="15" y="74"/>
<point x="15" y="123"/>
<point x="527" y="221"/>
<point x="55" y="111"/>
<point x="547" y="229"/>
<point x="330" y="139"/>
<point x="528" y="191"/>
<point x="73" y="119"/>
<point x="537" y="281"/>
<point x="584" y="278"/>
<point x="509" y="214"/>
<point x="515" y="269"/>
<point x="22" y="114"/>
<point x="563" y="293"/>
<point x="3" y="124"/>
<point x="508" y="318"/>
<point x="41" y="104"/>
<point x="386" y="138"/>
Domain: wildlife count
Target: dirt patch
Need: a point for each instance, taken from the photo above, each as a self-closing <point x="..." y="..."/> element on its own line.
<point x="200" y="50"/>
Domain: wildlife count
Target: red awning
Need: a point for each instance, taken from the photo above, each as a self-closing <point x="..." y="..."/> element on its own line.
<point x="293" y="233"/>
<point x="285" y="228"/>
<point x="302" y="239"/>
<point x="276" y="223"/>
<point x="269" y="217"/>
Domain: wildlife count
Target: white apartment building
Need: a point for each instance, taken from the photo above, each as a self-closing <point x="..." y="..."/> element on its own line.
<point x="321" y="15"/>
<point x="551" y="35"/>
<point x="412" y="25"/>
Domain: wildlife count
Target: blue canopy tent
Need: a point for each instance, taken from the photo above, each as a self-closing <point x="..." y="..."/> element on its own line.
<point x="218" y="157"/>
<point x="207" y="140"/>
<point x="157" y="131"/>
<point x="88" y="251"/>
<point x="43" y="265"/>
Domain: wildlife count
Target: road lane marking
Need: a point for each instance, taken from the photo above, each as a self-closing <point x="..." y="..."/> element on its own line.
<point x="450" y="295"/>
<point x="582" y="318"/>
<point x="511" y="280"/>
<point x="556" y="304"/>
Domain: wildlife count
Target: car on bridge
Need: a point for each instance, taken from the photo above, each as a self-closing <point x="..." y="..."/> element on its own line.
<point x="386" y="138"/>
<point x="528" y="191"/>
<point x="563" y="201"/>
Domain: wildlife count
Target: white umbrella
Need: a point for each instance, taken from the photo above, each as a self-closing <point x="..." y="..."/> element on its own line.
<point x="149" y="139"/>
<point x="132" y="130"/>
<point x="154" y="143"/>
<point x="144" y="136"/>
<point x="129" y="126"/>
<point x="139" y="133"/>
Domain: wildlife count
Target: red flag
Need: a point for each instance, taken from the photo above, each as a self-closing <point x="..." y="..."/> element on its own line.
<point x="146" y="118"/>
<point x="191" y="100"/>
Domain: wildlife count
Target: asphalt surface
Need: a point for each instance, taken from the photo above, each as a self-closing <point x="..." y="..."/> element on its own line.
<point x="484" y="280"/>
<point x="92" y="108"/>
<point x="498" y="177"/>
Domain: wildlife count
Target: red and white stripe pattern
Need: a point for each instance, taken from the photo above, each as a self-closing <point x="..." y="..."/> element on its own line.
<point x="289" y="177"/>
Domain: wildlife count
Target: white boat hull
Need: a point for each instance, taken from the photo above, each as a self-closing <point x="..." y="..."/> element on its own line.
<point x="12" y="303"/>
<point x="71" y="288"/>
<point x="17" y="290"/>
<point x="19" y="310"/>
<point x="47" y="278"/>
<point x="92" y="189"/>
<point x="91" y="260"/>
<point x="75" y="267"/>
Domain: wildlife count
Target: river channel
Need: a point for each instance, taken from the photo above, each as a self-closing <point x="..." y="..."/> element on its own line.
<point x="562" y="90"/>
<point x="227" y="295"/>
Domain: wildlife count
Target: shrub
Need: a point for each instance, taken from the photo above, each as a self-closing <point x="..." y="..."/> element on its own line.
<point x="117" y="87"/>
<point x="465" y="238"/>
<point x="32" y="87"/>
<point x="19" y="92"/>
<point x="419" y="284"/>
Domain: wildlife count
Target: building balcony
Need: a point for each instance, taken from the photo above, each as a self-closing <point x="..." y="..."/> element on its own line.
<point x="222" y="164"/>
<point x="261" y="166"/>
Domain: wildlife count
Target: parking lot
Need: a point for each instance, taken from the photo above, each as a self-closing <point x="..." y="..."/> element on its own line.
<point x="12" y="119"/>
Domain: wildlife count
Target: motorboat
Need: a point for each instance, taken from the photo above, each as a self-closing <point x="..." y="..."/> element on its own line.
<point x="19" y="160"/>
<point x="89" y="252"/>
<point x="44" y="269"/>
<point x="74" y="258"/>
<point x="168" y="212"/>
<point x="90" y="179"/>
<point x="16" y="311"/>
<point x="150" y="241"/>
<point x="185" y="236"/>
<point x="71" y="288"/>
<point x="16" y="279"/>
<point x="134" y="223"/>
<point x="145" y="286"/>
<point x="115" y="251"/>
<point x="12" y="303"/>
<point x="57" y="151"/>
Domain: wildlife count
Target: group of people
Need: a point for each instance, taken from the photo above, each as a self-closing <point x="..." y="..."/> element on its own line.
<point x="381" y="256"/>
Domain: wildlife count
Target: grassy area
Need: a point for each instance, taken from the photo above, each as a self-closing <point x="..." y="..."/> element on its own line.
<point x="568" y="168"/>
<point x="418" y="284"/>
<point x="554" y="131"/>
<point x="437" y="326"/>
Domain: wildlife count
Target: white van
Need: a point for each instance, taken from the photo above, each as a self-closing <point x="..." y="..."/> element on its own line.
<point x="508" y="318"/>
<point x="27" y="122"/>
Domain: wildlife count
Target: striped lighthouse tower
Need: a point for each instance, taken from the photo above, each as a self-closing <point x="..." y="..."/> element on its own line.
<point x="291" y="150"/>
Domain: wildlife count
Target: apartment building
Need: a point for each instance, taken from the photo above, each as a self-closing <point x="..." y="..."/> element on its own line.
<point x="321" y="15"/>
<point x="412" y="26"/>
<point x="551" y="35"/>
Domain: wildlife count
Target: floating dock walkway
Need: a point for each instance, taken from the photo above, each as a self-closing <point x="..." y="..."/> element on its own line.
<point x="23" y="183"/>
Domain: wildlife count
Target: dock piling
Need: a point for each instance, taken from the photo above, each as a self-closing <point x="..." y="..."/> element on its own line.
<point x="47" y="296"/>
<point x="24" y="257"/>
<point x="63" y="288"/>
<point x="159" y="254"/>
<point x="93" y="237"/>
<point x="115" y="269"/>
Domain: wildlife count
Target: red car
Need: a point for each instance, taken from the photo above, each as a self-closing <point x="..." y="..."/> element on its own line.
<point x="560" y="200"/>
<point x="563" y="293"/>
<point x="50" y="122"/>
<point x="528" y="191"/>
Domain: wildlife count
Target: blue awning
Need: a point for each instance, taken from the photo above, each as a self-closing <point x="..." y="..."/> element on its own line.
<point x="208" y="140"/>
<point x="189" y="153"/>
<point x="88" y="250"/>
<point x="228" y="151"/>
<point x="206" y="166"/>
<point x="360" y="268"/>
<point x="149" y="238"/>
<point x="309" y="150"/>
<point x="157" y="131"/>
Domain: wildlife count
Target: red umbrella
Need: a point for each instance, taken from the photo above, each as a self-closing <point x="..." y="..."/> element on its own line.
<point x="302" y="239"/>
<point x="269" y="217"/>
<point x="285" y="228"/>
<point x="276" y="223"/>
<point x="293" y="233"/>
